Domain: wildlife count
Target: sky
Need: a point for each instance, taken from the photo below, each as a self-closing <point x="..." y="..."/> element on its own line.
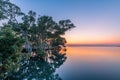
<point x="96" y="21"/>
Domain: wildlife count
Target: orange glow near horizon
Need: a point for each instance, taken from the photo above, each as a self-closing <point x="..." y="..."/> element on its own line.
<point x="75" y="40"/>
<point x="89" y="53"/>
<point x="90" y="38"/>
<point x="92" y="42"/>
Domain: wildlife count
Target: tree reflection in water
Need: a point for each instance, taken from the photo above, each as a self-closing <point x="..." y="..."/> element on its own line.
<point x="37" y="69"/>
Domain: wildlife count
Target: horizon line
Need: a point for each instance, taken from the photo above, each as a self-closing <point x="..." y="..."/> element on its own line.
<point x="93" y="45"/>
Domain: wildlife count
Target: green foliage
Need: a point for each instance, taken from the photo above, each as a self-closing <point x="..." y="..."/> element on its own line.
<point x="41" y="34"/>
<point x="38" y="31"/>
<point x="59" y="41"/>
<point x="9" y="10"/>
<point x="40" y="70"/>
<point x="10" y="51"/>
<point x="41" y="53"/>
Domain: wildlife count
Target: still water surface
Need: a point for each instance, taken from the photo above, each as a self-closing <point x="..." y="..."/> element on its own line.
<point x="91" y="63"/>
<point x="79" y="63"/>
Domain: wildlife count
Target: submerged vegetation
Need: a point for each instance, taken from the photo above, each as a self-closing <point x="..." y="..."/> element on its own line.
<point x="33" y="38"/>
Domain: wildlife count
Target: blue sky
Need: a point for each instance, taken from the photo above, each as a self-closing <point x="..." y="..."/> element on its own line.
<point x="97" y="21"/>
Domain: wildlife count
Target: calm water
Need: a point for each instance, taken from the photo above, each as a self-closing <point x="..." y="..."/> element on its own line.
<point x="91" y="63"/>
<point x="82" y="63"/>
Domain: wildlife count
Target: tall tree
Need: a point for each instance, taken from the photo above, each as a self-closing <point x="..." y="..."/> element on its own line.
<point x="42" y="36"/>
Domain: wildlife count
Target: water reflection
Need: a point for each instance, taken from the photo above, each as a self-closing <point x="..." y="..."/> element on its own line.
<point x="37" y="69"/>
<point x="94" y="54"/>
<point x="91" y="63"/>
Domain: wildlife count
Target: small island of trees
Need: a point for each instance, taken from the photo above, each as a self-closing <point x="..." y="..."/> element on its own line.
<point x="28" y="37"/>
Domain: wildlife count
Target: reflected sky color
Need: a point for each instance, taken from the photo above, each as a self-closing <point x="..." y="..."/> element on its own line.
<point x="93" y="63"/>
<point x="97" y="21"/>
<point x="94" y="54"/>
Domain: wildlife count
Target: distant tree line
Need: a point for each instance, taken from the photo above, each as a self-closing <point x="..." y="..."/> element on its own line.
<point x="31" y="37"/>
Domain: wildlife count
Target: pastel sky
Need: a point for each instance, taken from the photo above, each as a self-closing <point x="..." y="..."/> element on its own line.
<point x="96" y="21"/>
